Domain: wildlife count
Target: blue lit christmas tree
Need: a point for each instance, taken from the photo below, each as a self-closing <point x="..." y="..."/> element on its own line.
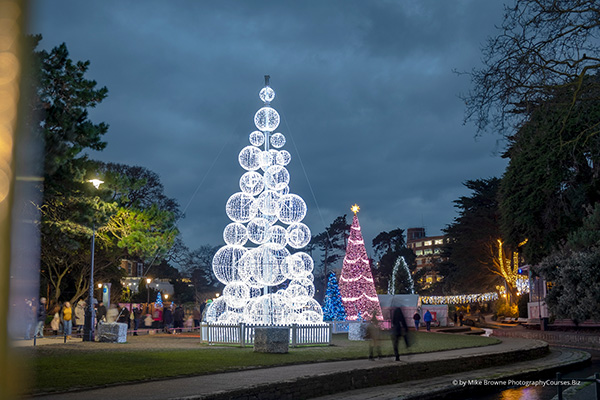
<point x="158" y="302"/>
<point x="333" y="310"/>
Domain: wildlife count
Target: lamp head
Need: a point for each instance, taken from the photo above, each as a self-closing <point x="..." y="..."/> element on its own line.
<point x="96" y="182"/>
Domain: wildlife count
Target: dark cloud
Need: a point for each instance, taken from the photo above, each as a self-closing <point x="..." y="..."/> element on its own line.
<point x="366" y="91"/>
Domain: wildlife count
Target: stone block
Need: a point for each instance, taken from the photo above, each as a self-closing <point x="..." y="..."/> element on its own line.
<point x="113" y="332"/>
<point x="271" y="339"/>
<point x="357" y="331"/>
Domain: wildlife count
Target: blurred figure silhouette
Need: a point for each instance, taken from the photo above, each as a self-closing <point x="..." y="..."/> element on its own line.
<point x="399" y="330"/>
<point x="374" y="333"/>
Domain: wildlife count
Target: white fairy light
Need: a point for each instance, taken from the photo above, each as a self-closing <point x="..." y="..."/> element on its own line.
<point x="277" y="140"/>
<point x="252" y="183"/>
<point x="258" y="230"/>
<point x="249" y="158"/>
<point x="298" y="235"/>
<point x="239" y="207"/>
<point x="268" y="202"/>
<point x="266" y="119"/>
<point x="226" y="263"/>
<point x="257" y="138"/>
<point x="267" y="94"/>
<point x="277" y="177"/>
<point x="235" y="234"/>
<point x="293" y="209"/>
<point x="283" y="157"/>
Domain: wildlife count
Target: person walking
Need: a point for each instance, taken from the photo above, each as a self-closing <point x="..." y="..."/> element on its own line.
<point x="374" y="333"/>
<point x="41" y="318"/>
<point x="137" y="317"/>
<point x="30" y="317"/>
<point x="461" y="317"/>
<point x="80" y="315"/>
<point x="55" y="323"/>
<point x="455" y="318"/>
<point x="178" y="317"/>
<point x="167" y="319"/>
<point x="417" y="319"/>
<point x="399" y="330"/>
<point x="67" y="319"/>
<point x="197" y="316"/>
<point x="428" y="318"/>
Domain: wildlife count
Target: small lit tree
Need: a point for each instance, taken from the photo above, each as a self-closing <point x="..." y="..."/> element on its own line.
<point x="333" y="310"/>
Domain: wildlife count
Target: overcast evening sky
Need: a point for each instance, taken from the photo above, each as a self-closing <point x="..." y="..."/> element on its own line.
<point x="366" y="90"/>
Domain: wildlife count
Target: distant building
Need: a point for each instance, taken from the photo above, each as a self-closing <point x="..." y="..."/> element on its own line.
<point x="135" y="273"/>
<point x="427" y="249"/>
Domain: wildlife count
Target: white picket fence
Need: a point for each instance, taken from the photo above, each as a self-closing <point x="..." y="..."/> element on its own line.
<point x="243" y="334"/>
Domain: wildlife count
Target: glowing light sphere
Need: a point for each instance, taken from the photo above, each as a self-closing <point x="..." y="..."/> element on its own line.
<point x="284" y="191"/>
<point x="300" y="265"/>
<point x="306" y="284"/>
<point x="257" y="138"/>
<point x="249" y="158"/>
<point x="266" y="265"/>
<point x="252" y="183"/>
<point x="259" y="214"/>
<point x="239" y="207"/>
<point x="268" y="159"/>
<point x="277" y="177"/>
<point x="298" y="235"/>
<point x="216" y="309"/>
<point x="277" y="140"/>
<point x="277" y="236"/>
<point x="267" y="94"/>
<point x="270" y="309"/>
<point x="235" y="234"/>
<point x="293" y="209"/>
<point x="268" y="202"/>
<point x="231" y="317"/>
<point x="266" y="119"/>
<point x="258" y="230"/>
<point x="226" y="263"/>
<point x="283" y="157"/>
<point x="236" y="294"/>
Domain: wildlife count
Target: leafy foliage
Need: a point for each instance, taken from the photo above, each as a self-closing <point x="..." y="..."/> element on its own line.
<point x="573" y="272"/>
<point x="552" y="176"/>
<point x="388" y="247"/>
<point x="541" y="44"/>
<point x="470" y="252"/>
<point x="332" y="245"/>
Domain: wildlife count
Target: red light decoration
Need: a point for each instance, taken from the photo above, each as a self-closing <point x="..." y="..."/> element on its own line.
<point x="356" y="281"/>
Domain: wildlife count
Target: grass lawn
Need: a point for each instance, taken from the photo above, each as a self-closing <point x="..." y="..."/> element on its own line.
<point x="59" y="368"/>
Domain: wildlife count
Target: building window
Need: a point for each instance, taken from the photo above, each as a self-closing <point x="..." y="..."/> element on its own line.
<point x="439" y="241"/>
<point x="419" y="252"/>
<point x="427" y="251"/>
<point x="428" y="243"/>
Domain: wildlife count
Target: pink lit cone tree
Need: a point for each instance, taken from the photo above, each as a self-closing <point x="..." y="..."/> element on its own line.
<point x="356" y="281"/>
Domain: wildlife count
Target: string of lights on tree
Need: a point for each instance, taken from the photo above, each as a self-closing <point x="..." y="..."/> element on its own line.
<point x="522" y="288"/>
<point x="409" y="283"/>
<point x="266" y="220"/>
<point x="333" y="309"/>
<point x="158" y="302"/>
<point x="356" y="281"/>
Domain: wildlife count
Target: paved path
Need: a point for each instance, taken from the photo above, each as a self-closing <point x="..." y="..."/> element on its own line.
<point x="209" y="385"/>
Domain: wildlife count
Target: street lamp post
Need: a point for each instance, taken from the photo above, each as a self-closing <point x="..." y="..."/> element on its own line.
<point x="88" y="327"/>
<point x="148" y="280"/>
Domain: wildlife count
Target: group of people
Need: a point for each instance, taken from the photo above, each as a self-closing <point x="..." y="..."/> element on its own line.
<point x="427" y="318"/>
<point x="64" y="315"/>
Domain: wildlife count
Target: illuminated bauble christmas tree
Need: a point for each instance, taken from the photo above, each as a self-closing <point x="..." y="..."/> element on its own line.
<point x="333" y="310"/>
<point x="401" y="281"/>
<point x="356" y="281"/>
<point x="263" y="239"/>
